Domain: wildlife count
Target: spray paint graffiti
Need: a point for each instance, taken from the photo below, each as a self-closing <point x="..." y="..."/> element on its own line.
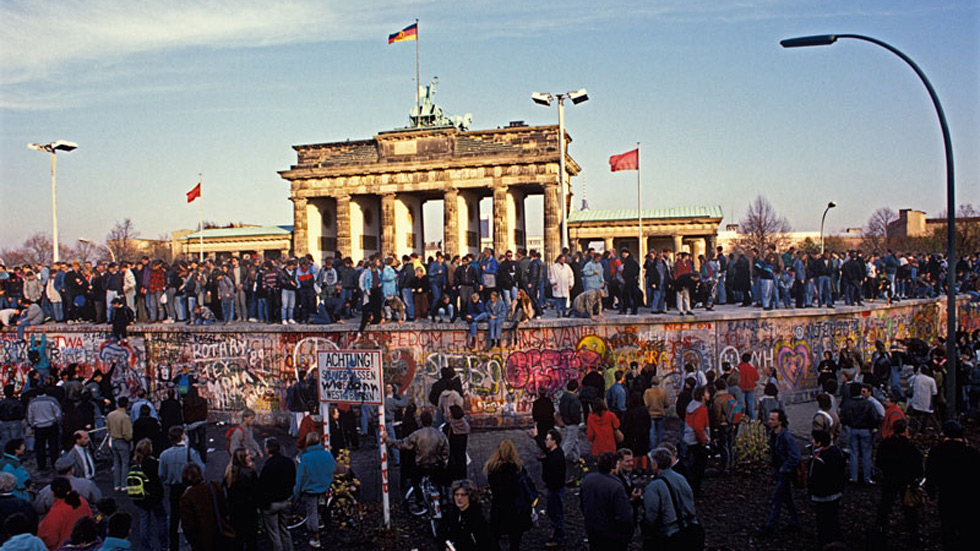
<point x="254" y="368"/>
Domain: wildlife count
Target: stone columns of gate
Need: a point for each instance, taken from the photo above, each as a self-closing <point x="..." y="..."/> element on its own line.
<point x="450" y="218"/>
<point x="343" y="226"/>
<point x="388" y="224"/>
<point x="552" y="223"/>
<point x="300" y="244"/>
<point x="501" y="220"/>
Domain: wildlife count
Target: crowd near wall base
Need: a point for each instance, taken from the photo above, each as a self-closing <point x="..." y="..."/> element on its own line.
<point x="251" y="365"/>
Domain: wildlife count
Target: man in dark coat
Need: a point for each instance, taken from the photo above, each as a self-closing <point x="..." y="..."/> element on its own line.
<point x="825" y="484"/>
<point x="900" y="464"/>
<point x="952" y="471"/>
<point x="606" y="508"/>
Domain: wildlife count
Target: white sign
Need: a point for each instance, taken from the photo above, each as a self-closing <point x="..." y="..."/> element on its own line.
<point x="350" y="376"/>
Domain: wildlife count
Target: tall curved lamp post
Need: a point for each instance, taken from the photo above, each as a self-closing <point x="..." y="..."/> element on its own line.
<point x="823" y="219"/>
<point x="112" y="255"/>
<point x="53" y="148"/>
<point x="951" y="358"/>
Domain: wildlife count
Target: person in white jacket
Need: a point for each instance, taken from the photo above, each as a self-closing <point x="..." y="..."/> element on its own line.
<point x="562" y="279"/>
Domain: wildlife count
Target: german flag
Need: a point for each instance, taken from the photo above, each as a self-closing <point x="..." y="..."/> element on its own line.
<point x="410" y="32"/>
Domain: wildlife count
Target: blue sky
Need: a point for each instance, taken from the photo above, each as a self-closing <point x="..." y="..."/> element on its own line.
<point x="157" y="92"/>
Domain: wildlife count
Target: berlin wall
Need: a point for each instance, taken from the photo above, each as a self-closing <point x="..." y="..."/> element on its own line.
<point x="251" y="365"/>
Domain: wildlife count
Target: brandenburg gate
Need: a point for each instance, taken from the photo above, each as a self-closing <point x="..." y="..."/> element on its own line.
<point x="366" y="196"/>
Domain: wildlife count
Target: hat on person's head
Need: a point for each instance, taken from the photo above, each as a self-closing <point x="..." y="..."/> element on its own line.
<point x="64" y="464"/>
<point x="952" y="429"/>
<point x="8" y="483"/>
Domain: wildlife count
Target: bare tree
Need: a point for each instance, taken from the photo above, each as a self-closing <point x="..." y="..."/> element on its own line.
<point x="877" y="236"/>
<point x="967" y="232"/>
<point x="35" y="250"/>
<point x="762" y="226"/>
<point x="120" y="241"/>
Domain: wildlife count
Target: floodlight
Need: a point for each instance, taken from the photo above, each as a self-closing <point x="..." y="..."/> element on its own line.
<point x="541" y="99"/>
<point x="578" y="97"/>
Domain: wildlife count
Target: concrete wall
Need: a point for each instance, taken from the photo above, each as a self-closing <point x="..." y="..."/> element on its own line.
<point x="252" y="365"/>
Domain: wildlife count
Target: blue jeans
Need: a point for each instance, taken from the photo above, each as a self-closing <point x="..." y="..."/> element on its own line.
<point x="228" y="309"/>
<point x="561" y="305"/>
<point x="390" y="429"/>
<point x="152" y="301"/>
<point x="659" y="299"/>
<point x="10" y="430"/>
<point x="860" y="442"/>
<point x="263" y="309"/>
<point x="811" y="286"/>
<point x="765" y="290"/>
<point x="749" y="398"/>
<point x="656" y="431"/>
<point x="722" y="297"/>
<point x="22" y="325"/>
<point x="826" y="298"/>
<point x="288" y="304"/>
<point x="783" y="494"/>
<point x="495" y="326"/>
<point x="476" y="321"/>
<point x="409" y="301"/>
<point x="59" y="311"/>
<point x="556" y="514"/>
<point x="120" y="462"/>
<point x="152" y="520"/>
<point x="436" y="288"/>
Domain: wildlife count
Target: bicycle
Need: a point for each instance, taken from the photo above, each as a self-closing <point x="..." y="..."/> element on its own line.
<point x="428" y="503"/>
<point x="101" y="451"/>
<point x="341" y="514"/>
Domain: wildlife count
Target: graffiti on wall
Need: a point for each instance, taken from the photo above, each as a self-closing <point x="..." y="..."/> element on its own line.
<point x="253" y="369"/>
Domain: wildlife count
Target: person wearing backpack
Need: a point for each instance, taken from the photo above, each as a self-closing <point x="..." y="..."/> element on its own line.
<point x="511" y="504"/>
<point x="145" y="489"/>
<point x="669" y="518"/>
<point x="723" y="415"/>
<point x="242" y="436"/>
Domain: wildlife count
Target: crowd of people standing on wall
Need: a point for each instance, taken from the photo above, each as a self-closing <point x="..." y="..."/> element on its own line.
<point x="498" y="290"/>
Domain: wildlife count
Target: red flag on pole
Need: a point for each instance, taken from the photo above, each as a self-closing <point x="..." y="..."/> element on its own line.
<point x="194" y="193"/>
<point x="626" y="161"/>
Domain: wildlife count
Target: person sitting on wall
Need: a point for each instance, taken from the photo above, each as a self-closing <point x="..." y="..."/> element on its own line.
<point x="588" y="304"/>
<point x="394" y="309"/>
<point x="202" y="316"/>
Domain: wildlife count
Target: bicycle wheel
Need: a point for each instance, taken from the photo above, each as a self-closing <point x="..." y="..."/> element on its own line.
<point x="296" y="517"/>
<point x="415" y="502"/>
<point x="344" y="519"/>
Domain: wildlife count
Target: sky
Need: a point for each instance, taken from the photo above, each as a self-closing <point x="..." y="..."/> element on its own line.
<point x="158" y="93"/>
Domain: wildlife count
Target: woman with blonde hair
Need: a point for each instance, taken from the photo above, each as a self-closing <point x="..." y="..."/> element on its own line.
<point x="503" y="471"/>
<point x="149" y="503"/>
<point x="241" y="481"/>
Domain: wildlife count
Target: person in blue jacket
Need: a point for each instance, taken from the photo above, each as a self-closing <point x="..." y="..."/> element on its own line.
<point x="314" y="474"/>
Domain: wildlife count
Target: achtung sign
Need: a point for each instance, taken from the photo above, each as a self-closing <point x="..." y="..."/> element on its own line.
<point x="350" y="376"/>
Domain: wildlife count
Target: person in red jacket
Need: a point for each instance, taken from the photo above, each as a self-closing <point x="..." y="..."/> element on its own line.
<point x="68" y="507"/>
<point x="696" y="437"/>
<point x="748" y="374"/>
<point x="892" y="413"/>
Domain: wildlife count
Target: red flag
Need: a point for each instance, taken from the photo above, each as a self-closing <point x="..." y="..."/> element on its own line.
<point x="626" y="161"/>
<point x="194" y="193"/>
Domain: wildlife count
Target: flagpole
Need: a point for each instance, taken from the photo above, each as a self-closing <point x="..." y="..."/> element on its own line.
<point x="418" y="80"/>
<point x="200" y="214"/>
<point x="639" y="208"/>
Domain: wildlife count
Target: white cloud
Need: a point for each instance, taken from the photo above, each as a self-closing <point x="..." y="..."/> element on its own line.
<point x="39" y="39"/>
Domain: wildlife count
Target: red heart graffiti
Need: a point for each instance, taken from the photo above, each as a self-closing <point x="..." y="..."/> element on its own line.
<point x="793" y="363"/>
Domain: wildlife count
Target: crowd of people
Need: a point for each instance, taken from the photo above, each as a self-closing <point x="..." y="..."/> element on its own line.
<point x="473" y="288"/>
<point x="644" y="481"/>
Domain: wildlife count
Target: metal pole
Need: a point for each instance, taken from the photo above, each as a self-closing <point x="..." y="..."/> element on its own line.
<point x="822" y="220"/>
<point x="951" y="357"/>
<point x="54" y="206"/>
<point x="561" y="169"/>
<point x="200" y="215"/>
<point x="640" y="255"/>
<point x="418" y="81"/>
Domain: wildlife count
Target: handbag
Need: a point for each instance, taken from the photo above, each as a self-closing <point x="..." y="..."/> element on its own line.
<point x="914" y="497"/>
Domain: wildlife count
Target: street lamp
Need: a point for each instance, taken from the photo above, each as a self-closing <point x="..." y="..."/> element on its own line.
<point x="951" y="354"/>
<point x="577" y="97"/>
<point x="823" y="218"/>
<point x="53" y="148"/>
<point x="112" y="255"/>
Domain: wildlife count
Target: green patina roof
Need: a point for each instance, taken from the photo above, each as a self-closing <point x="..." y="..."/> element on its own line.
<point x="592" y="215"/>
<point x="250" y="231"/>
